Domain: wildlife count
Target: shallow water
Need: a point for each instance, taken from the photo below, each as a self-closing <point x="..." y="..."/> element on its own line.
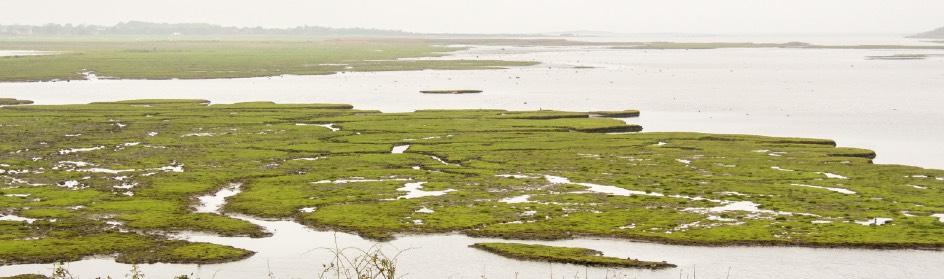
<point x="25" y="53"/>
<point x="399" y="149"/>
<point x="299" y="252"/>
<point x="818" y="39"/>
<point x="892" y="107"/>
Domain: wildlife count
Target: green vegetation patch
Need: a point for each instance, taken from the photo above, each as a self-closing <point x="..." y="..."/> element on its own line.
<point x="899" y="57"/>
<point x="617" y="114"/>
<point x="26" y="276"/>
<point x="182" y="252"/>
<point x="457" y="91"/>
<point x="210" y="59"/>
<point x="578" y="256"/>
<point x="13" y="102"/>
<point x="117" y="177"/>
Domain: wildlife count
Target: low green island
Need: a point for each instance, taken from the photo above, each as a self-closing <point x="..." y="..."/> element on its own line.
<point x="568" y="255"/>
<point x="13" y="102"/>
<point x="90" y="58"/>
<point x="898" y="57"/>
<point x="447" y="91"/>
<point x="119" y="178"/>
<point x="616" y="114"/>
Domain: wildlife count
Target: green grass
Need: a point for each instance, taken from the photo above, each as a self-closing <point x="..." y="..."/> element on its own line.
<point x="282" y="167"/>
<point x="13" y="102"/>
<point x="26" y="276"/>
<point x="224" y="59"/>
<point x="617" y="114"/>
<point x="130" y="248"/>
<point x="578" y="256"/>
<point x="180" y="252"/>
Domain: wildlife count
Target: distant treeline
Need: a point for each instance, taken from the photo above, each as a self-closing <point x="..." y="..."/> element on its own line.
<point x="184" y="29"/>
<point x="933" y="34"/>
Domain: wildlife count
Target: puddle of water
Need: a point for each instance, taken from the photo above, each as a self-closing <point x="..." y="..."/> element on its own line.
<point x="597" y="188"/>
<point x="104" y="170"/>
<point x="746" y="206"/>
<point x="213" y="203"/>
<point x="175" y="167"/>
<point x="834" y="189"/>
<point x="414" y="190"/>
<point x="327" y="126"/>
<point x="5" y="53"/>
<point x="441" y="161"/>
<point x="14" y="218"/>
<point x="359" y="179"/>
<point x="330" y="127"/>
<point x="399" y="149"/>
<point x="940" y="217"/>
<point x="71" y="184"/>
<point x="516" y="199"/>
<point x="77" y="150"/>
<point x="833" y="175"/>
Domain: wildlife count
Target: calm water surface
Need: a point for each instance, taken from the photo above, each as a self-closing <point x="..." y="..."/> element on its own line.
<point x="25" y="52"/>
<point x="299" y="252"/>
<point x="893" y="107"/>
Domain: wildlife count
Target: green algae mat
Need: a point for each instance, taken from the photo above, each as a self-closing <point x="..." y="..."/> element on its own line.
<point x="579" y="256"/>
<point x="118" y="178"/>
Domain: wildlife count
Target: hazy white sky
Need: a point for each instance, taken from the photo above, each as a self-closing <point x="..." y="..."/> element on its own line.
<point x="506" y="16"/>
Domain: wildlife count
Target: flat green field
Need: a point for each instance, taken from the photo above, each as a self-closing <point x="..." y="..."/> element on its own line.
<point x="114" y="178"/>
<point x="223" y="59"/>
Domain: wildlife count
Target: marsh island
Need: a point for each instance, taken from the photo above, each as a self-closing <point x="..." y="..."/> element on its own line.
<point x="116" y="178"/>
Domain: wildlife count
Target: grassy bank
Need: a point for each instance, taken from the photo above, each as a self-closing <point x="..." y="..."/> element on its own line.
<point x="578" y="256"/>
<point x="111" y="178"/>
<point x="162" y="59"/>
